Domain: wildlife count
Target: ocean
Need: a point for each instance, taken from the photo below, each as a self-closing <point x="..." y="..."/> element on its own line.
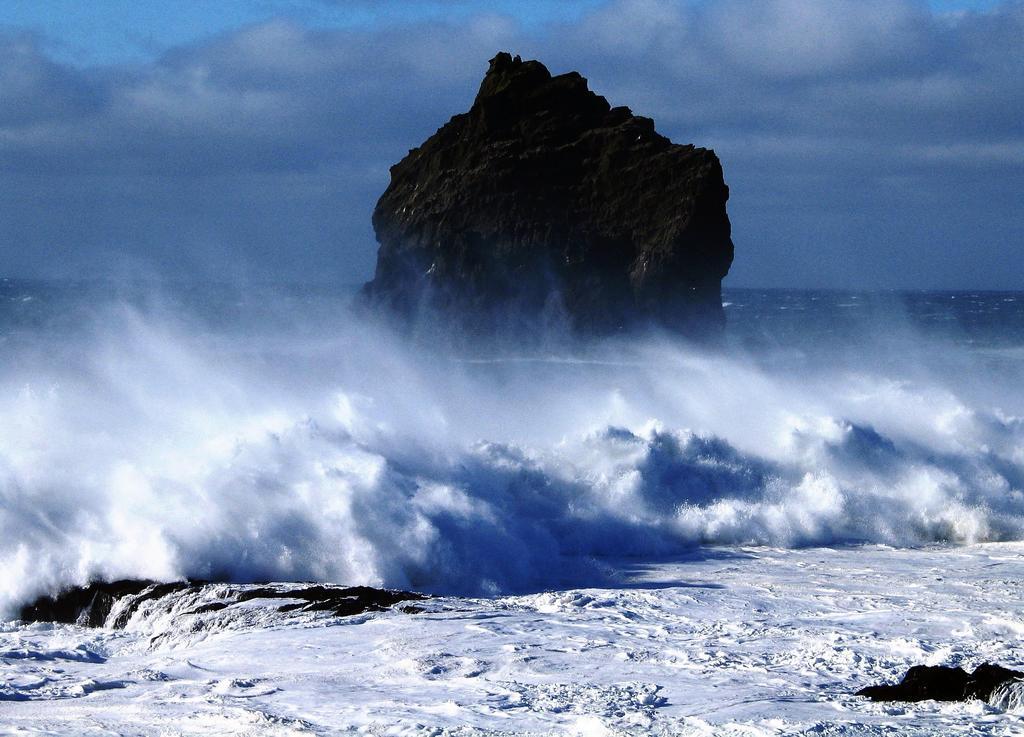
<point x="832" y="493"/>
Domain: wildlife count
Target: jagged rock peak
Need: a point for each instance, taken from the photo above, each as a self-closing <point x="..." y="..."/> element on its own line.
<point x="544" y="204"/>
<point x="506" y="70"/>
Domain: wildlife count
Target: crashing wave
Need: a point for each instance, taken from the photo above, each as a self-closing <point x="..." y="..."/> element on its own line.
<point x="348" y="458"/>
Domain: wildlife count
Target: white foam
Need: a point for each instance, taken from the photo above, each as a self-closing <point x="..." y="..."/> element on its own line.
<point x="1008" y="696"/>
<point x="723" y="642"/>
<point x="148" y="450"/>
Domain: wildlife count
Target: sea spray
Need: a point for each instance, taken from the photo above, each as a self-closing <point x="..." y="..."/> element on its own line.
<point x="148" y="443"/>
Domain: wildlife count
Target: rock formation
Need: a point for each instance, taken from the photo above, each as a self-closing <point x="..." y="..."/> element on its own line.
<point x="942" y="683"/>
<point x="93" y="605"/>
<point x="544" y="203"/>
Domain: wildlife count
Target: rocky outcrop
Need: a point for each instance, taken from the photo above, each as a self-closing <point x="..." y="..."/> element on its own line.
<point x="544" y="204"/>
<point x="114" y="603"/>
<point x="89" y="606"/>
<point x="942" y="683"/>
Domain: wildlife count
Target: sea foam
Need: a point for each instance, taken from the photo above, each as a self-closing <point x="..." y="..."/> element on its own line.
<point x="150" y="445"/>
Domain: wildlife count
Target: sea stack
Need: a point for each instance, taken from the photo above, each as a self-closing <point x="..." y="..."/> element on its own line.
<point x="544" y="205"/>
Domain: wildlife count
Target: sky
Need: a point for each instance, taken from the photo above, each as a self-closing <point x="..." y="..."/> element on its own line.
<point x="867" y="143"/>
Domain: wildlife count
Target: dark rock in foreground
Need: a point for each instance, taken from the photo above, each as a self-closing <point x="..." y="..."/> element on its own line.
<point x="92" y="605"/>
<point x="543" y="205"/>
<point x="942" y="683"/>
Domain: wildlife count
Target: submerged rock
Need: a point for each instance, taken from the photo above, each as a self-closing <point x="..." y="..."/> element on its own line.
<point x="545" y="205"/>
<point x="94" y="605"/>
<point x="942" y="683"/>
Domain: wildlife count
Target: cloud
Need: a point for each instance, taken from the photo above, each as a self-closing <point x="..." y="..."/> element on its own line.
<point x="795" y="39"/>
<point x="36" y="90"/>
<point x="264" y="149"/>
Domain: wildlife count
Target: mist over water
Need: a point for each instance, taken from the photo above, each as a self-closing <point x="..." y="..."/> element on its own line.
<point x="267" y="434"/>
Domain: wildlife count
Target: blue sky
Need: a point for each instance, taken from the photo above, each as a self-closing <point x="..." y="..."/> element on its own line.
<point x="867" y="143"/>
<point x="112" y="31"/>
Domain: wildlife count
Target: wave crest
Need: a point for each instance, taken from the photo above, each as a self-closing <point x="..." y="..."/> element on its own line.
<point x="165" y="456"/>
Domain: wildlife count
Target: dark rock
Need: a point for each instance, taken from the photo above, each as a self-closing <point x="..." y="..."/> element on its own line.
<point x="91" y="605"/>
<point x="545" y="204"/>
<point x="942" y="683"/>
<point x="212" y="607"/>
<point x="343" y="602"/>
<point x="88" y="606"/>
<point x="987" y="677"/>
